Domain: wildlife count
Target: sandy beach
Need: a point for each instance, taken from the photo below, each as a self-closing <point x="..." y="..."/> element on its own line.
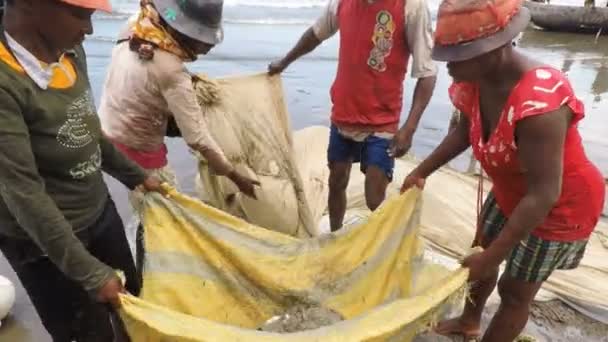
<point x="258" y="32"/>
<point x="549" y="322"/>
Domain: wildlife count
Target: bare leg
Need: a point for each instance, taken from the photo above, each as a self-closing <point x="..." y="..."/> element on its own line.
<point x="468" y="325"/>
<point x="512" y="315"/>
<point x="339" y="174"/>
<point x="375" y="187"/>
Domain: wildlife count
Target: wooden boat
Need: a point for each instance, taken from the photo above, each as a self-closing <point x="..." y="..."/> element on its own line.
<point x="568" y="18"/>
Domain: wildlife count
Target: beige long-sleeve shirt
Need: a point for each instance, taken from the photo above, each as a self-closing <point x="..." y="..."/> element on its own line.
<point x="139" y="97"/>
<point x="418" y="31"/>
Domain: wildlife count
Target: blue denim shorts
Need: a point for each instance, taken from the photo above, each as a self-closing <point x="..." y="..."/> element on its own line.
<point x="372" y="151"/>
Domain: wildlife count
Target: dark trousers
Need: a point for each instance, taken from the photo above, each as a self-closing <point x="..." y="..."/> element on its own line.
<point x="67" y="312"/>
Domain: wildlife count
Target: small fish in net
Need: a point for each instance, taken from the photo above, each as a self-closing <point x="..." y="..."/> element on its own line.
<point x="300" y="318"/>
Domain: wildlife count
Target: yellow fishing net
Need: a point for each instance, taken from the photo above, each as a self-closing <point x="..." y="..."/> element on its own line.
<point x="212" y="277"/>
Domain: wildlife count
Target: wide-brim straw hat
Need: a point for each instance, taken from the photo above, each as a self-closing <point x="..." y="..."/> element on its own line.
<point x="470" y="28"/>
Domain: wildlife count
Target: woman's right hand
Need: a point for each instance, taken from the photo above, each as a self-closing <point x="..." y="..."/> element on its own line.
<point x="413" y="179"/>
<point x="245" y="184"/>
<point x="110" y="292"/>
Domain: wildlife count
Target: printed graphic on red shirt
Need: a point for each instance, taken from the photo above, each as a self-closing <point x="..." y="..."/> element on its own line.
<point x="383" y="41"/>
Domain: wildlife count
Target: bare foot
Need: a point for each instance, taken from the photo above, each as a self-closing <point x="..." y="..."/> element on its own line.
<point x="459" y="327"/>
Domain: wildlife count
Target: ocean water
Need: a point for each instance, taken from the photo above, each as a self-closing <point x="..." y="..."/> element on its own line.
<point x="260" y="31"/>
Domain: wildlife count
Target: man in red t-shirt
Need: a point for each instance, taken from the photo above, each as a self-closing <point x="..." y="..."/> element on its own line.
<point x="376" y="41"/>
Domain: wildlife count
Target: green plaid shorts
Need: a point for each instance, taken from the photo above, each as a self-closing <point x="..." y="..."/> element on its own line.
<point x="533" y="259"/>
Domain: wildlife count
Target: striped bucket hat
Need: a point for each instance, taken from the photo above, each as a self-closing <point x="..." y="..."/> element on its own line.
<point x="470" y="28"/>
<point x="103" y="5"/>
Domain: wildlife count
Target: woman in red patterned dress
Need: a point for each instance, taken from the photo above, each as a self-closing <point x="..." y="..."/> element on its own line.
<point x="520" y="116"/>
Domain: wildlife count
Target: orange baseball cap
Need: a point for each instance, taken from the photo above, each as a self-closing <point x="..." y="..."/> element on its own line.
<point x="103" y="5"/>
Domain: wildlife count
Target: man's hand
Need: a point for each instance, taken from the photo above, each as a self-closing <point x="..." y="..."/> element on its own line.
<point x="110" y="291"/>
<point x="412" y="180"/>
<point x="402" y="142"/>
<point x="245" y="184"/>
<point x="276" y="67"/>
<point x="306" y="44"/>
<point x="479" y="265"/>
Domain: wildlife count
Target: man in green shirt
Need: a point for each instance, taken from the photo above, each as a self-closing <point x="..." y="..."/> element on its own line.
<point x="59" y="228"/>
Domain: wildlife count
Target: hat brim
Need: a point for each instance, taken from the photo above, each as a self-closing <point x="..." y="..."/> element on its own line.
<point x="476" y="48"/>
<point x="102" y="5"/>
<point x="184" y="25"/>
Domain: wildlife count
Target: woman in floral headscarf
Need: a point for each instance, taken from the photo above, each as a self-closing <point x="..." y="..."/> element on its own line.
<point x="148" y="86"/>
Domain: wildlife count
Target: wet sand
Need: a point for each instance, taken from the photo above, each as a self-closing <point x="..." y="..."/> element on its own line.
<point x="549" y="322"/>
<point x="306" y="85"/>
